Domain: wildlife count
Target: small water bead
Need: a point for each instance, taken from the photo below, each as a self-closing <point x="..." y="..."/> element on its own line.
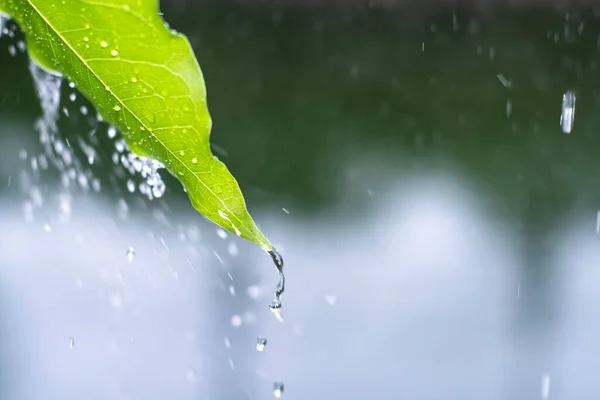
<point x="236" y="321"/>
<point x="261" y="342"/>
<point x="72" y="97"/>
<point x="221" y="233"/>
<point x="83" y="110"/>
<point x="114" y="53"/>
<point x="194" y="160"/>
<point x="130" y="254"/>
<point x="232" y="249"/>
<point x="130" y="186"/>
<point x="134" y="79"/>
<point x="117" y="107"/>
<point x="112" y="132"/>
<point x="277" y="389"/>
<point x="86" y="39"/>
<point x="104" y="43"/>
<point x="190" y="375"/>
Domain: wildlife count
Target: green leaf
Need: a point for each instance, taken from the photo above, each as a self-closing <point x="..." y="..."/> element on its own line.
<point x="144" y="79"/>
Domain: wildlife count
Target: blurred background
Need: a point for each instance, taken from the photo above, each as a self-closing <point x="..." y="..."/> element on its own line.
<point x="440" y="230"/>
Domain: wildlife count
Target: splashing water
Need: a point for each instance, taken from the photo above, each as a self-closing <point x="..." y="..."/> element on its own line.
<point x="152" y="185"/>
<point x="567" y="116"/>
<point x="61" y="155"/>
<point x="275" y="305"/>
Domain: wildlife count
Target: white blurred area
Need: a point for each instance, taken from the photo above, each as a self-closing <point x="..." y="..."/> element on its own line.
<point x="418" y="297"/>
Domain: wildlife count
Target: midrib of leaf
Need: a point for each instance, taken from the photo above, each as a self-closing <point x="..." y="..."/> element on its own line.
<point x="135" y="117"/>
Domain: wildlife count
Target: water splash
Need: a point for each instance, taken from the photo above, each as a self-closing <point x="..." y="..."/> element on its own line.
<point x="152" y="185"/>
<point x="275" y="305"/>
<point x="59" y="152"/>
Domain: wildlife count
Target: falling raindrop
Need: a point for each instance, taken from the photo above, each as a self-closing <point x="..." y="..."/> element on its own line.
<point x="131" y="186"/>
<point x="545" y="388"/>
<point x="567" y="116"/>
<point x="261" y="342"/>
<point x="277" y="389"/>
<point x="190" y="375"/>
<point x="236" y="321"/>
<point x="47" y="226"/>
<point x="232" y="249"/>
<point x="221" y="233"/>
<point x="71" y="342"/>
<point x="130" y="254"/>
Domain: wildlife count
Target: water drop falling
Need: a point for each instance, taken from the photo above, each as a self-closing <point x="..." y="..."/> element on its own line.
<point x="71" y="342"/>
<point x="567" y="116"/>
<point x="275" y="305"/>
<point x="130" y="186"/>
<point x="261" y="342"/>
<point x="277" y="389"/>
<point x="130" y="254"/>
<point x="47" y="226"/>
<point x="545" y="389"/>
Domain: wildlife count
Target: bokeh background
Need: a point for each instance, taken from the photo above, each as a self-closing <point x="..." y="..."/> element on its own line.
<point x="440" y="231"/>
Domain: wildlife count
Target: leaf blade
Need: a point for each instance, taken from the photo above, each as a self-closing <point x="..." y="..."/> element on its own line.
<point x="146" y="80"/>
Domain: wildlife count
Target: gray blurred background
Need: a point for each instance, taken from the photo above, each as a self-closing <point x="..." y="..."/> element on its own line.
<point x="440" y="231"/>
